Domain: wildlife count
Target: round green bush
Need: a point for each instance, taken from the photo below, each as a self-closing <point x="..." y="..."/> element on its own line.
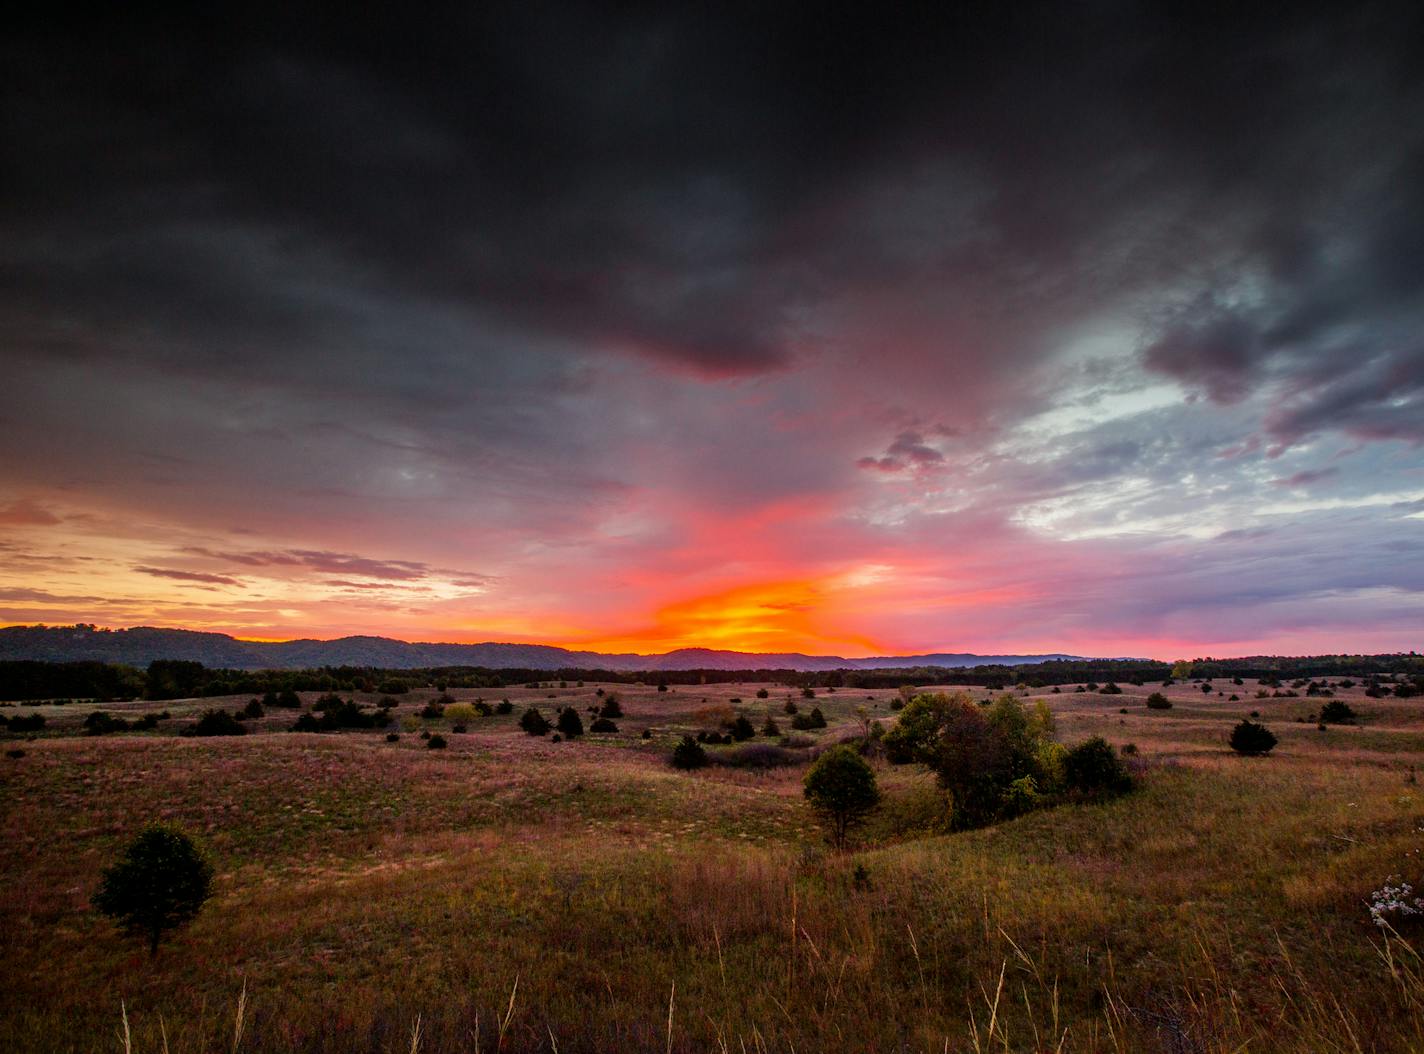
<point x="1252" y="739"/>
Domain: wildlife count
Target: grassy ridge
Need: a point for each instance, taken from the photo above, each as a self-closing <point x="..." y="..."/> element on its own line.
<point x="364" y="885"/>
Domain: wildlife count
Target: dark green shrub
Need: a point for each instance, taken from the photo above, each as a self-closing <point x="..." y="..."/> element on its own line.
<point x="432" y="711"/>
<point x="789" y="707"/>
<point x="1110" y="689"/>
<point x="26" y="723"/>
<point x="840" y="786"/>
<point x="253" y="710"/>
<point x="802" y="722"/>
<point x="483" y="708"/>
<point x="1094" y="768"/>
<point x="392" y="737"/>
<point x="762" y="693"/>
<point x="647" y="733"/>
<point x="100" y="723"/>
<point x="770" y="727"/>
<point x="457" y="728"/>
<point x="504" y="707"/>
<point x="393" y="687"/>
<point x="215" y="723"/>
<point x="1337" y="712"/>
<point x="688" y="754"/>
<point x="808" y="693"/>
<point x="612" y="707"/>
<point x="289" y="700"/>
<point x="742" y="729"/>
<point x="436" y="742"/>
<point x="602" y="725"/>
<point x="534" y="723"/>
<point x="159" y="883"/>
<point x="1158" y="701"/>
<point x="570" y="724"/>
<point x="1252" y="739"/>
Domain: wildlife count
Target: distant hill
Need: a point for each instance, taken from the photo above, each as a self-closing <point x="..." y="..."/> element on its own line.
<point x="142" y="644"/>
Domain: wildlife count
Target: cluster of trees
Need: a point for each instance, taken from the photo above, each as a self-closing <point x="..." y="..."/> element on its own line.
<point x="1000" y="760"/>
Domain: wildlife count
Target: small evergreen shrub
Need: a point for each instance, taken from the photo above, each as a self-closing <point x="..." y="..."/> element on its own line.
<point x="1252" y="739"/>
<point x="570" y="724"/>
<point x="436" y="742"/>
<point x="534" y="723"/>
<point x="1158" y="701"/>
<point x="688" y="754"/>
<point x="215" y="723"/>
<point x="1337" y="712"/>
<point x="602" y="725"/>
<point x="742" y="729"/>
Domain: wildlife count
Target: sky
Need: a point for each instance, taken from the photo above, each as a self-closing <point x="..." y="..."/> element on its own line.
<point x="1088" y="327"/>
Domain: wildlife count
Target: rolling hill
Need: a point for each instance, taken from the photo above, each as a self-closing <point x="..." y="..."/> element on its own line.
<point x="142" y="644"/>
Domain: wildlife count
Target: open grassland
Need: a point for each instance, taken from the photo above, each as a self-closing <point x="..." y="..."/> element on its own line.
<point x="514" y="893"/>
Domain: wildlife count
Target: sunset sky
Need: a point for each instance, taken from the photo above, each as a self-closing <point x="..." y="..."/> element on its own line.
<point x="1071" y="328"/>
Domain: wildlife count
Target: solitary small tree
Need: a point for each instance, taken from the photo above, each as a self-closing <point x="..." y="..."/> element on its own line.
<point x="841" y="787"/>
<point x="534" y="723"/>
<point x="161" y="882"/>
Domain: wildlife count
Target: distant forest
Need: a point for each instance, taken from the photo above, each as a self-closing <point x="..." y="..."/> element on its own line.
<point x="177" y="679"/>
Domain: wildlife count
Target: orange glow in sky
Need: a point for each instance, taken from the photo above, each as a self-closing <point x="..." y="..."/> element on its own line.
<point x="764" y="616"/>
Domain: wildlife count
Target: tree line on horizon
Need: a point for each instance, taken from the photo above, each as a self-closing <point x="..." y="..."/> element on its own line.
<point x="24" y="679"/>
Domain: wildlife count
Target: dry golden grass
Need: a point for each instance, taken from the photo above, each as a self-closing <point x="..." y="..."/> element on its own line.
<point x="512" y="893"/>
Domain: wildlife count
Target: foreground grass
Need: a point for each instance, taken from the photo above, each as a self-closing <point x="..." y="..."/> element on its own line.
<point x="516" y="894"/>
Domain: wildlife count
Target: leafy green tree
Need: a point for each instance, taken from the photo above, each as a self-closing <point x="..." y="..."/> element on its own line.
<point x="840" y="785"/>
<point x="913" y="735"/>
<point x="161" y="882"/>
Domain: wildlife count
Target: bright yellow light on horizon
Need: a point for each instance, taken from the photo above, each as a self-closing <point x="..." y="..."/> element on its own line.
<point x="764" y="616"/>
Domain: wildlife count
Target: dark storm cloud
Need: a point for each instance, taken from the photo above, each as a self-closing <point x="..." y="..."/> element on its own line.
<point x="703" y="189"/>
<point x="533" y="288"/>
